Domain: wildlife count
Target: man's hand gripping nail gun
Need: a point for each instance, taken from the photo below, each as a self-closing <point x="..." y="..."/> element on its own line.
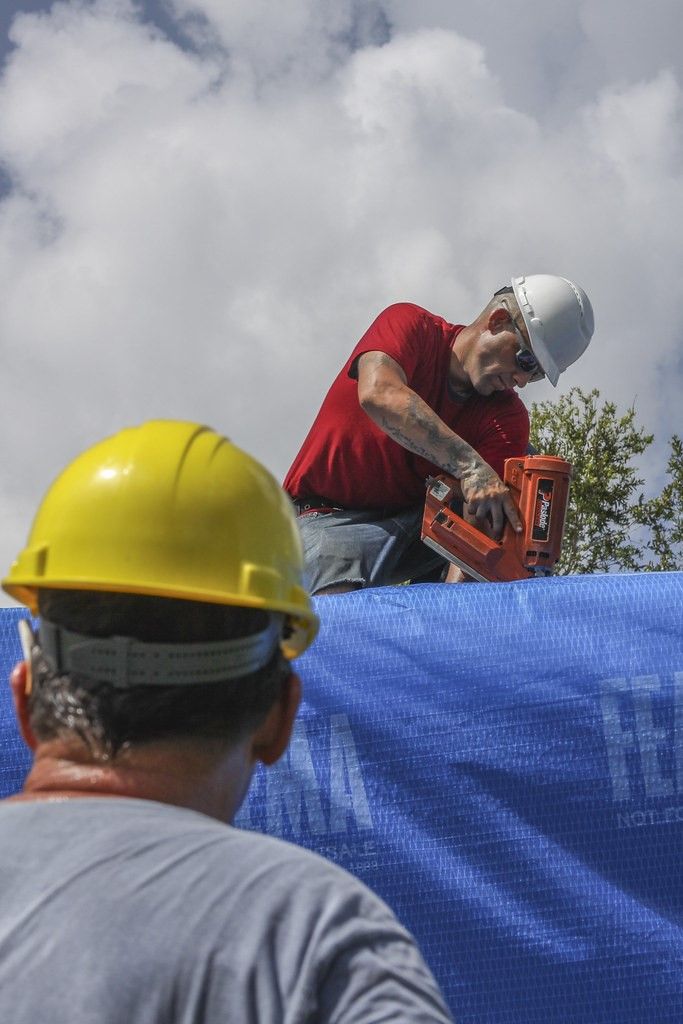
<point x="539" y="485"/>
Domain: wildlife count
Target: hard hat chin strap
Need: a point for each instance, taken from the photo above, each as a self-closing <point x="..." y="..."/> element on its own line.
<point x="123" y="662"/>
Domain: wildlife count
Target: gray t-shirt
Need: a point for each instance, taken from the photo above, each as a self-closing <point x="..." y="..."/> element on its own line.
<point x="132" y="911"/>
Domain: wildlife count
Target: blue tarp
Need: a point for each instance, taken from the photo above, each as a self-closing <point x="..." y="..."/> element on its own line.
<point x="504" y="765"/>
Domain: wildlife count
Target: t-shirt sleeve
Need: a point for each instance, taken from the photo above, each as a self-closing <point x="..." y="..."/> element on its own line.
<point x="375" y="972"/>
<point x="398" y="332"/>
<point x="385" y="980"/>
<point x="305" y="941"/>
<point x="506" y="434"/>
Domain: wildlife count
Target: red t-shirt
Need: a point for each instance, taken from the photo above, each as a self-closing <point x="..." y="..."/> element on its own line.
<point x="347" y="459"/>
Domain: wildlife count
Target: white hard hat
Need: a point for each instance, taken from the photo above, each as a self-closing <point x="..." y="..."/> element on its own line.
<point x="559" y="318"/>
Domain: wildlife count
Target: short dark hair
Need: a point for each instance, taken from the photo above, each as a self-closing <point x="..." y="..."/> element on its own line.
<point x="108" y="719"/>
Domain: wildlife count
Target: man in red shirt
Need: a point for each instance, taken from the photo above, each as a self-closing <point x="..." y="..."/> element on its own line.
<point x="420" y="396"/>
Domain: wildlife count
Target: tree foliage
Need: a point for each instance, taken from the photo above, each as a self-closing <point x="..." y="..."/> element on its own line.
<point x="662" y="516"/>
<point x="611" y="525"/>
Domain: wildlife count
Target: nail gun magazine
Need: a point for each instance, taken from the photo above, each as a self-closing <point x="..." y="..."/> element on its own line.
<point x="539" y="485"/>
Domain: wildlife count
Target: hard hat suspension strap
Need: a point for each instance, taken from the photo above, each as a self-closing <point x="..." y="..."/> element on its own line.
<point x="121" y="661"/>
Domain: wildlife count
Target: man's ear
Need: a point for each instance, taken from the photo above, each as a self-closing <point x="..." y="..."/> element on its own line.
<point x="497" y="319"/>
<point x="270" y="740"/>
<point x="19" y="682"/>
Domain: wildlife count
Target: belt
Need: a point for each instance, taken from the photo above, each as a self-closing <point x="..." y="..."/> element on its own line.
<point x="314" y="503"/>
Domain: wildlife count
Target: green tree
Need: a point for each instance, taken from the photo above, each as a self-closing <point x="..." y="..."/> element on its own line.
<point x="611" y="525"/>
<point x="662" y="516"/>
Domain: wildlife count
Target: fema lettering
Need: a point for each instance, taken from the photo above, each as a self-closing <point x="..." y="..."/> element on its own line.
<point x="294" y="801"/>
<point x="643" y="723"/>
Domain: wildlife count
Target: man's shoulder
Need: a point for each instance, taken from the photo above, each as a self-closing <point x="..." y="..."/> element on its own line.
<point x="412" y="313"/>
<point x="407" y="332"/>
<point x="151" y="830"/>
<point x="317" y="875"/>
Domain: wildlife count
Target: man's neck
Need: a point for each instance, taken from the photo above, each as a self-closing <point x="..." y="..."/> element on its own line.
<point x="189" y="776"/>
<point x="459" y="384"/>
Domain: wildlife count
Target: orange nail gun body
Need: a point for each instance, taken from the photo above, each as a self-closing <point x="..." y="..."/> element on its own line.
<point x="539" y="485"/>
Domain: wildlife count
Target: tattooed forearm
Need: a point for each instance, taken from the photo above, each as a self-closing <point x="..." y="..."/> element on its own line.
<point x="400" y="412"/>
<point x="420" y="430"/>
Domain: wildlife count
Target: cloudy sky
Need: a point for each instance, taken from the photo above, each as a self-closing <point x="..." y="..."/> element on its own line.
<point x="204" y="203"/>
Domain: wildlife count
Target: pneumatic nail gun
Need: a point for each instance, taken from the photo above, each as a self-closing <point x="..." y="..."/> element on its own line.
<point x="539" y="485"/>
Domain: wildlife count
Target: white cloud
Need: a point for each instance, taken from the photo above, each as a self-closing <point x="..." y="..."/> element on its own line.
<point x="553" y="57"/>
<point x="205" y="234"/>
<point x="301" y="41"/>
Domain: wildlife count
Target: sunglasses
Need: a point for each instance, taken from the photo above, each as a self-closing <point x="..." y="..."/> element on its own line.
<point x="524" y="357"/>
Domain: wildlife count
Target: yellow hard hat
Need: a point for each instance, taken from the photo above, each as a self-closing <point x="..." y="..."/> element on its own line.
<point x="171" y="509"/>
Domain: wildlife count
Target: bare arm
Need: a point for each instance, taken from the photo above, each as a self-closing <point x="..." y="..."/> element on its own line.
<point x="397" y="410"/>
